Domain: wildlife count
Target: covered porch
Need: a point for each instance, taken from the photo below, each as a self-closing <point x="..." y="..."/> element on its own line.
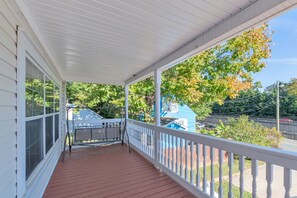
<point x="121" y="43"/>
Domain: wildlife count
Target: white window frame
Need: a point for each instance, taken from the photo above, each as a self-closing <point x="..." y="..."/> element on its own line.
<point x="175" y="108"/>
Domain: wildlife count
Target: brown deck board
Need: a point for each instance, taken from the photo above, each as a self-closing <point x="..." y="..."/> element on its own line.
<point x="110" y="171"/>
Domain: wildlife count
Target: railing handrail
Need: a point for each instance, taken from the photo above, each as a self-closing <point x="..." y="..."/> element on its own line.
<point x="275" y="156"/>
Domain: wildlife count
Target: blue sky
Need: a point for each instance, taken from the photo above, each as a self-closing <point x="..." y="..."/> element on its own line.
<point x="282" y="65"/>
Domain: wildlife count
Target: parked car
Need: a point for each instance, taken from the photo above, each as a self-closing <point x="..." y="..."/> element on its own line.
<point x="286" y="121"/>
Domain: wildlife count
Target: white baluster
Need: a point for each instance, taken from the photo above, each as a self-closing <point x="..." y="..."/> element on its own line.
<point x="156" y="145"/>
<point x="142" y="138"/>
<point x="211" y="173"/>
<point x="164" y="149"/>
<point x="148" y="143"/>
<point x="287" y="181"/>
<point x="145" y="135"/>
<point x="269" y="179"/>
<point x="161" y="148"/>
<point x="181" y="158"/>
<point x="152" y="144"/>
<point x="254" y="174"/>
<point x="221" y="157"/>
<point x="172" y="153"/>
<point x="176" y="155"/>
<point x="204" y="168"/>
<point x="186" y="149"/>
<point x="241" y="178"/>
<point x="192" y="156"/>
<point x="230" y="164"/>
<point x="167" y="151"/>
<point x="198" y="165"/>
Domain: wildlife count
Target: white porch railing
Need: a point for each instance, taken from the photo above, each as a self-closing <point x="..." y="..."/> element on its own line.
<point x="197" y="161"/>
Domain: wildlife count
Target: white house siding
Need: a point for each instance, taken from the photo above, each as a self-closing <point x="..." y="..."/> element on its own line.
<point x="8" y="100"/>
<point x="12" y="181"/>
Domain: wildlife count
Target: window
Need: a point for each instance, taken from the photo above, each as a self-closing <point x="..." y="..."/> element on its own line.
<point x="34" y="90"/>
<point x="49" y="95"/>
<point x="57" y="132"/>
<point x="34" y="145"/>
<point x="173" y="108"/>
<point x="57" y="98"/>
<point x="48" y="133"/>
<point x="57" y="109"/>
<point x="42" y="115"/>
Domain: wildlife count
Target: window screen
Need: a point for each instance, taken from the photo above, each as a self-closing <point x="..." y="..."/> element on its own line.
<point x="56" y="126"/>
<point x="48" y="133"/>
<point x="34" y="145"/>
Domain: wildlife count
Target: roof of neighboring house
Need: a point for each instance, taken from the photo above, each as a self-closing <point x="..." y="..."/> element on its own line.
<point x="166" y="121"/>
<point x="87" y="114"/>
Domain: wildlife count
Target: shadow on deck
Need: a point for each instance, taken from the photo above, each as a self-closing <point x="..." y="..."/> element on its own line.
<point x="110" y="171"/>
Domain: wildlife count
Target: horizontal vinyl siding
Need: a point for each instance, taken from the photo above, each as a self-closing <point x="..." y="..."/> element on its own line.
<point x="7" y="98"/>
<point x="8" y="102"/>
<point x="7" y="70"/>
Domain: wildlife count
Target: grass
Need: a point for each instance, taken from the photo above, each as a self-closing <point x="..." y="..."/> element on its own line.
<point x="225" y="171"/>
<point x="235" y="189"/>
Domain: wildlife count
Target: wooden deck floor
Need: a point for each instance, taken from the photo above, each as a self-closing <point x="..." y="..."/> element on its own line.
<point x="110" y="171"/>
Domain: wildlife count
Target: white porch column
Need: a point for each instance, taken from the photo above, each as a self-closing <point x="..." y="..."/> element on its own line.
<point x="126" y="102"/>
<point x="158" y="79"/>
<point x="63" y="113"/>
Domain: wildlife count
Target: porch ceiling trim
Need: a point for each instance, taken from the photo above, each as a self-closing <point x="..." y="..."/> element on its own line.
<point x="255" y="14"/>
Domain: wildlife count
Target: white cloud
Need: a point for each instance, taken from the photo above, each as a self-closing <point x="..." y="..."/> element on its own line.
<point x="287" y="61"/>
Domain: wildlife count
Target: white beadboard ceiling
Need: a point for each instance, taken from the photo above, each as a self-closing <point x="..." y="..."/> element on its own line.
<point x="109" y="41"/>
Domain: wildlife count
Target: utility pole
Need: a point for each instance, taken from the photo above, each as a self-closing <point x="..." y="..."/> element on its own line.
<point x="277" y="106"/>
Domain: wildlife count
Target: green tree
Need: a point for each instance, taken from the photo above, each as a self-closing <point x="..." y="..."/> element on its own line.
<point x="254" y="102"/>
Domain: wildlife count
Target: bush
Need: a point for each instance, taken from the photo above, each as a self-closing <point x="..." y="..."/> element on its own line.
<point x="245" y="130"/>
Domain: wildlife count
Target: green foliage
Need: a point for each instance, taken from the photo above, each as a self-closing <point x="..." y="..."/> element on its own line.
<point x="257" y="103"/>
<point x="199" y="82"/>
<point x="217" y="73"/>
<point x="245" y="130"/>
<point x="107" y="100"/>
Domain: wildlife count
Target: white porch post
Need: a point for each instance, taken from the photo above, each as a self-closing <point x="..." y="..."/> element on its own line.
<point x="126" y="113"/>
<point x="158" y="79"/>
<point x="63" y="113"/>
<point x="126" y="102"/>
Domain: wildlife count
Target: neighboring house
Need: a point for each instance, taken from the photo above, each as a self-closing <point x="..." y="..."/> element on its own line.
<point x="178" y="117"/>
<point x="82" y="117"/>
